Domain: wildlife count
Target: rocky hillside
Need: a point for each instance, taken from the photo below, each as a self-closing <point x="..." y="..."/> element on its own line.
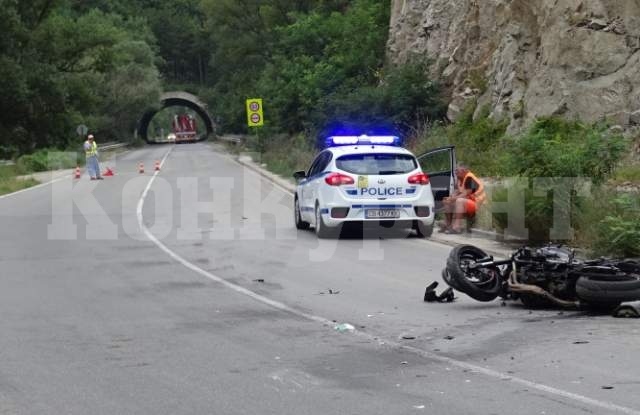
<point x="527" y="58"/>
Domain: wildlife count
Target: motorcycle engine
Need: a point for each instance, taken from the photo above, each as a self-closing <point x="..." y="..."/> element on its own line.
<point x="547" y="267"/>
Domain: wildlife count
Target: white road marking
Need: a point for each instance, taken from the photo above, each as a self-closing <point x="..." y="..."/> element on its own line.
<point x="70" y="175"/>
<point x="374" y="339"/>
<point x="37" y="186"/>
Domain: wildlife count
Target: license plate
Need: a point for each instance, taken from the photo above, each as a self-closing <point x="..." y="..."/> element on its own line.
<point x="381" y="213"/>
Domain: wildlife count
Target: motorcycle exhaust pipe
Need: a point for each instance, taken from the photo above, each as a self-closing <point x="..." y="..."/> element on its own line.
<point x="535" y="290"/>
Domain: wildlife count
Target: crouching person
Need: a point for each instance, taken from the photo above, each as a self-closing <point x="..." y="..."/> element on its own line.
<point x="464" y="202"/>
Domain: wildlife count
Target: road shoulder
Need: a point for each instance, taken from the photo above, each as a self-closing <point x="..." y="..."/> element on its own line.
<point x="484" y="240"/>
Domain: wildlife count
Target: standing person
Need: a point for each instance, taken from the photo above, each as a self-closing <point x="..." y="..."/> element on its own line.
<point x="465" y="200"/>
<point x="91" y="153"/>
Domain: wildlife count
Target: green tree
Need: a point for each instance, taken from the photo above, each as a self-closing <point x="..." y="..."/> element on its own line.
<point x="62" y="68"/>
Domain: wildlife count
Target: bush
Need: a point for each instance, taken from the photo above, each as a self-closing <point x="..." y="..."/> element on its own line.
<point x="552" y="150"/>
<point x="615" y="225"/>
<point x="43" y="160"/>
<point x="476" y="140"/>
<point x="285" y="155"/>
<point x="554" y="147"/>
<point x="537" y="217"/>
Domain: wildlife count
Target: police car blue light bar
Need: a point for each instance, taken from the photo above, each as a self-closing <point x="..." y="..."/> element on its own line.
<point x="346" y="140"/>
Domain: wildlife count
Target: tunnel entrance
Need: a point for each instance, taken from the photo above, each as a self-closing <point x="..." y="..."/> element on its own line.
<point x="177" y="99"/>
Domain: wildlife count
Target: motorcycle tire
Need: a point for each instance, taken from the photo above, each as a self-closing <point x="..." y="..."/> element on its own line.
<point x="477" y="284"/>
<point x="609" y="289"/>
<point x="446" y="276"/>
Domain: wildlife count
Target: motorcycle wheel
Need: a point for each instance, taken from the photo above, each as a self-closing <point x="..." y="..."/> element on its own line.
<point x="608" y="289"/>
<point x="480" y="284"/>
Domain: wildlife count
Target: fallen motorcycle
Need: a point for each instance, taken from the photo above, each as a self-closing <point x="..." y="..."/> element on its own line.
<point x="543" y="276"/>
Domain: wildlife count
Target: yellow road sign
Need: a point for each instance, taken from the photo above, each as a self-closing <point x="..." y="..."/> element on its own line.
<point x="254" y="112"/>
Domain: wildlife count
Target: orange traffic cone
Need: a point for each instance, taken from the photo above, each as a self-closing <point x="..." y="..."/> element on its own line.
<point x="77" y="174"/>
<point x="157" y="165"/>
<point x="108" y="173"/>
<point x="141" y="168"/>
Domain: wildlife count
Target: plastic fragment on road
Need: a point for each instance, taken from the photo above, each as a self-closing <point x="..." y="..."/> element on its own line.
<point x="344" y="327"/>
<point x="628" y="310"/>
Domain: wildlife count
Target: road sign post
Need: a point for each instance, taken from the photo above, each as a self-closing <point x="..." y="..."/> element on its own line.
<point x="82" y="130"/>
<point x="255" y="118"/>
<point x="254" y="112"/>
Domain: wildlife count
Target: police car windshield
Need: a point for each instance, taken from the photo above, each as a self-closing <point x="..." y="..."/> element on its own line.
<point x="377" y="163"/>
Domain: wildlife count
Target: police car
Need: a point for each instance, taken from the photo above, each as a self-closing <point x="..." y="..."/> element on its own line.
<point x="363" y="179"/>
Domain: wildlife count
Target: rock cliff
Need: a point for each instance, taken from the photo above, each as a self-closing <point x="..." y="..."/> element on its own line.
<point x="528" y="58"/>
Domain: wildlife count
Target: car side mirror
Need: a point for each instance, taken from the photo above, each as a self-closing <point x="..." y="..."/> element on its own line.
<point x="299" y="175"/>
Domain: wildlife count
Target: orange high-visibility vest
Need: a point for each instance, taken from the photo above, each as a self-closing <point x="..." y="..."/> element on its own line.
<point x="478" y="196"/>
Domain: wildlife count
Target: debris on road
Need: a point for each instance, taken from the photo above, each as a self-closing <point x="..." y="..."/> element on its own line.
<point x="448" y="337"/>
<point x="607" y="387"/>
<point x="581" y="342"/>
<point x="628" y="310"/>
<point x="259" y="280"/>
<point x="408" y="337"/>
<point x="430" y="295"/>
<point x="344" y="327"/>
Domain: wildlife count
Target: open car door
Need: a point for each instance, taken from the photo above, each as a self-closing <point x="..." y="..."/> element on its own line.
<point x="439" y="164"/>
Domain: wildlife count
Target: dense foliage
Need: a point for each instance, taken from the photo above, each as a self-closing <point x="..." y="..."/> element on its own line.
<point x="61" y="67"/>
<point x="317" y="64"/>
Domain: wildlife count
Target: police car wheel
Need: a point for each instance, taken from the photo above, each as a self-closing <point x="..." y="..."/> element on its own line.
<point x="300" y="224"/>
<point x="322" y="231"/>
<point x="422" y="230"/>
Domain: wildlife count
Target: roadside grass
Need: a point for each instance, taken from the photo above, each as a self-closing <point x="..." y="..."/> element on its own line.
<point x="627" y="172"/>
<point x="15" y="177"/>
<point x="13" y="184"/>
<point x="10" y="182"/>
<point x="286" y="155"/>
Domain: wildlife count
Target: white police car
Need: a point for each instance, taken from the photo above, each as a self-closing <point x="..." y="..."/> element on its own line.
<point x="363" y="179"/>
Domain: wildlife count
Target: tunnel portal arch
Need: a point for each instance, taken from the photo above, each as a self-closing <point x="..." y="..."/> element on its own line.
<point x="172" y="99"/>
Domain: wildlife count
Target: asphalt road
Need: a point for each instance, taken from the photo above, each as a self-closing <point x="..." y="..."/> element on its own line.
<point x="190" y="292"/>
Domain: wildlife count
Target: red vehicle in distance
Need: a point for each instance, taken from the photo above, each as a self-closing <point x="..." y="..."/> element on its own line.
<point x="184" y="128"/>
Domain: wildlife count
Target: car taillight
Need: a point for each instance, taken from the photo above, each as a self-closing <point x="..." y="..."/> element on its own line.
<point x="338" y="179"/>
<point x="419" y="178"/>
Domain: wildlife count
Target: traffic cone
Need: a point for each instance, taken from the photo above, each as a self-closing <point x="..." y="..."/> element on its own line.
<point x="77" y="174"/>
<point x="141" y="168"/>
<point x="157" y="165"/>
<point x="108" y="173"/>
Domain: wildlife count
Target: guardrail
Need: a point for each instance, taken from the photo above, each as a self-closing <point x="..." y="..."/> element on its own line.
<point x="232" y="138"/>
<point x="112" y="146"/>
